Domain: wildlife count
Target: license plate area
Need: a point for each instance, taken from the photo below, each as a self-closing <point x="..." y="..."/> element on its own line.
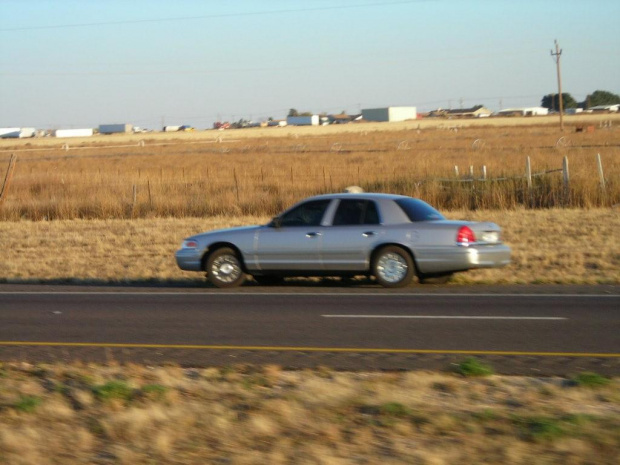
<point x="491" y="237"/>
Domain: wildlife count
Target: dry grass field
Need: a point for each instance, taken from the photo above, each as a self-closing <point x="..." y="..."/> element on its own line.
<point x="549" y="246"/>
<point x="112" y="414"/>
<point x="259" y="171"/>
<point x="97" y="214"/>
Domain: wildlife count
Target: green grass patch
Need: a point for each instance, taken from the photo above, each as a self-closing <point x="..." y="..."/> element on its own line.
<point x="113" y="390"/>
<point x="27" y="404"/>
<point x="472" y="367"/>
<point x="589" y="379"/>
<point x="396" y="410"/>
<point x="539" y="428"/>
<point x="154" y="391"/>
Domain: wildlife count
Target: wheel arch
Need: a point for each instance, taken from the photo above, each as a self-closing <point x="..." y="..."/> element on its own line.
<point x="407" y="249"/>
<point x="219" y="245"/>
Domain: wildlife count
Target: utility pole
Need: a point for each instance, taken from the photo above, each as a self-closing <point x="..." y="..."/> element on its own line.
<point x="556" y="56"/>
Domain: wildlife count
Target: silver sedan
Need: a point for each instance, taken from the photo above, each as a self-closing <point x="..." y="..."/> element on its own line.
<point x="390" y="237"/>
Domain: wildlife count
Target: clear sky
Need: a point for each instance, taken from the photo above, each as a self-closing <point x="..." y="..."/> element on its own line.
<point x="81" y="63"/>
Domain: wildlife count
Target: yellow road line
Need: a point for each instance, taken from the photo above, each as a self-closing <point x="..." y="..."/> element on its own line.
<point x="303" y="349"/>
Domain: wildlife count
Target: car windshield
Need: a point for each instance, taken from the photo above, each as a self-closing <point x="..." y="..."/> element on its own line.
<point x="417" y="210"/>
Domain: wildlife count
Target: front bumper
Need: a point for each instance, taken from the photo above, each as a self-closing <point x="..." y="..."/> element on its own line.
<point x="189" y="259"/>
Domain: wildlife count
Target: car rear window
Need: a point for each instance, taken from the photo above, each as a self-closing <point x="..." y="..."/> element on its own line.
<point x="417" y="210"/>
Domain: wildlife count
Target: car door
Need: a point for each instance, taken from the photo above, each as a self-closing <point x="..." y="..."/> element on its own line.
<point x="292" y="242"/>
<point x="355" y="229"/>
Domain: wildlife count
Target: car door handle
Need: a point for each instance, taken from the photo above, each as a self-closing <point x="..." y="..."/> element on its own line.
<point x="313" y="234"/>
<point x="368" y="233"/>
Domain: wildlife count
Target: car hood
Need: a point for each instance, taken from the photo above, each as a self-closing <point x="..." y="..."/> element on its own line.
<point x="216" y="234"/>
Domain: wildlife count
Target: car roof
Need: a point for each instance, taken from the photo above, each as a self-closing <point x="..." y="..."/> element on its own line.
<point x="361" y="196"/>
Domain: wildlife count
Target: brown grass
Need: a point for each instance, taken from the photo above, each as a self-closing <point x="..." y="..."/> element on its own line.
<point x="549" y="246"/>
<point x="258" y="172"/>
<point x="252" y="415"/>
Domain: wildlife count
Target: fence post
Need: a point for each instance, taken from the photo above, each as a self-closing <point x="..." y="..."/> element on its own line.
<point x="456" y="171"/>
<point x="528" y="173"/>
<point x="8" y="177"/>
<point x="528" y="177"/>
<point x="471" y="171"/>
<point x="148" y="185"/>
<point x="566" y="181"/>
<point x="236" y="183"/>
<point x="600" y="171"/>
<point x="484" y="172"/>
<point x="565" y="172"/>
<point x="133" y="203"/>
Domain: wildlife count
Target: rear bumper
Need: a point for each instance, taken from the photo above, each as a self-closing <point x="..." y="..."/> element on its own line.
<point x="463" y="258"/>
<point x="188" y="259"/>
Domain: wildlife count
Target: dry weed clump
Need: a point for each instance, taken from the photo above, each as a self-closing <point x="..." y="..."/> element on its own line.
<point x="260" y="175"/>
<point x="311" y="416"/>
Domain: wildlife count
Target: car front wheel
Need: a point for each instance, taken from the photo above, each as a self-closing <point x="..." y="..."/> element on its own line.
<point x="224" y="268"/>
<point x="393" y="267"/>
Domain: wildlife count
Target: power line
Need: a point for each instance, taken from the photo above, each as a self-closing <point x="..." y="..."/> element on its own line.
<point x="213" y="16"/>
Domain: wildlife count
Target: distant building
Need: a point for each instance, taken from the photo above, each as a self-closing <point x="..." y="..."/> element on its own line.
<point x="118" y="128"/>
<point x="17" y="133"/>
<point x="529" y="111"/>
<point x="474" y="112"/>
<point x="390" y="114"/>
<point x="73" y="132"/>
<point x="312" y="120"/>
<point x="606" y="108"/>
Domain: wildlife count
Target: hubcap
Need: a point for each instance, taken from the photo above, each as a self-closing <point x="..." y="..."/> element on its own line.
<point x="392" y="267"/>
<point x="226" y="268"/>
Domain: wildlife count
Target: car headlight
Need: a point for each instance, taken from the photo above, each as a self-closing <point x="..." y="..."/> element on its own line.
<point x="189" y="244"/>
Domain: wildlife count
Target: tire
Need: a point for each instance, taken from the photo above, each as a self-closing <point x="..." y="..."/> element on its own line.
<point x="392" y="266"/>
<point x="435" y="279"/>
<point x="224" y="268"/>
<point x="268" y="280"/>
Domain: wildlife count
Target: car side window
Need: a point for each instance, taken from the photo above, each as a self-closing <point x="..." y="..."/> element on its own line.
<point x="307" y="214"/>
<point x="356" y="212"/>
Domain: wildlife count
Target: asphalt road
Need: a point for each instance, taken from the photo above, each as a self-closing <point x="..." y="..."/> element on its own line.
<point x="518" y="332"/>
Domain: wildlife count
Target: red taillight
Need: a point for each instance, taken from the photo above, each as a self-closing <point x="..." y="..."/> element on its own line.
<point x="465" y="236"/>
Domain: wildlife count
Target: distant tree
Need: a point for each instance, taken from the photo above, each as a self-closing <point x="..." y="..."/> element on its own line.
<point x="294" y="112"/>
<point x="600" y="97"/>
<point x="552" y="102"/>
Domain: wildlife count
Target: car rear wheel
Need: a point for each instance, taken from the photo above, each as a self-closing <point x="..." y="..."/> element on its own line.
<point x="224" y="268"/>
<point x="393" y="267"/>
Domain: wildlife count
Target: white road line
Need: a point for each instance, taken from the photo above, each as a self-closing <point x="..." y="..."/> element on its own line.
<point x="449" y="317"/>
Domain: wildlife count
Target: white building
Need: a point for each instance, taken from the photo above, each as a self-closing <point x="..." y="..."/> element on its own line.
<point x="528" y="111"/>
<point x="609" y="108"/>
<point x="73" y="132"/>
<point x="17" y="133"/>
<point x="390" y="114"/>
